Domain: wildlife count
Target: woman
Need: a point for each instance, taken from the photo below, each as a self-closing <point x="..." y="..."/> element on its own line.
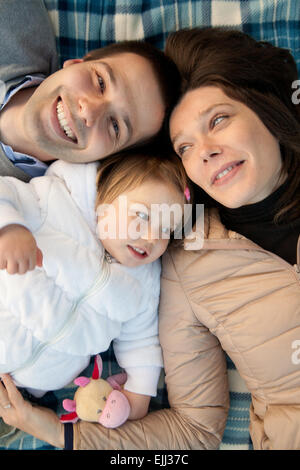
<point x="237" y="133"/>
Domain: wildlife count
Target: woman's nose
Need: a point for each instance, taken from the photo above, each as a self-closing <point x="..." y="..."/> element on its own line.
<point x="208" y="149"/>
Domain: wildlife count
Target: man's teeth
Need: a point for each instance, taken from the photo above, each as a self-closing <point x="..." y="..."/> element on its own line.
<point x="138" y="250"/>
<point x="63" y="122"/>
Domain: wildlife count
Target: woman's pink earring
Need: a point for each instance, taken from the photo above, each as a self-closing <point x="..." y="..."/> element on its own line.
<point x="187" y="194"/>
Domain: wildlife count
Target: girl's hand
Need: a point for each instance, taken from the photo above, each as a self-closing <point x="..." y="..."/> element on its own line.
<point x="18" y="250"/>
<point x="35" y="420"/>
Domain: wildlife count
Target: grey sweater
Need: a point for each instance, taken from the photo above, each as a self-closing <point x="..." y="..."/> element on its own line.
<point x="27" y="46"/>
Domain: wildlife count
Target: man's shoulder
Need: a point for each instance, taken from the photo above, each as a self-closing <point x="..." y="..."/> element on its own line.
<point x="27" y="41"/>
<point x="7" y="168"/>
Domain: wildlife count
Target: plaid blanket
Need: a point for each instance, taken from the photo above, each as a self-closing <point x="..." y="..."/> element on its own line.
<point x="82" y="25"/>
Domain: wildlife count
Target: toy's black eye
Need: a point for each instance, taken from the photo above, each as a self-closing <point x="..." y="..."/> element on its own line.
<point x="104" y="398"/>
<point x="99" y="411"/>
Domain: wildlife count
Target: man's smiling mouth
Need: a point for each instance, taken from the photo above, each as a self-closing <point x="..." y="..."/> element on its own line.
<point x="63" y="121"/>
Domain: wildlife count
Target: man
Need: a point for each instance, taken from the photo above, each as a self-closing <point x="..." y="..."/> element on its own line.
<point x="112" y="99"/>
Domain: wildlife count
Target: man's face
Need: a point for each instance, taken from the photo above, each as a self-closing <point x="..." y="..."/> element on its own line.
<point x="88" y="110"/>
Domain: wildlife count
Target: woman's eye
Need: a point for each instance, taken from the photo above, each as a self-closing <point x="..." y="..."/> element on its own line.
<point x="217" y="120"/>
<point x="101" y="83"/>
<point x="142" y="215"/>
<point x="182" y="149"/>
<point x="116" y="128"/>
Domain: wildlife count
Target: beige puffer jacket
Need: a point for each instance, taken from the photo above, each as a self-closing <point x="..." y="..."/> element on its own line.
<point x="249" y="299"/>
<point x="230" y="295"/>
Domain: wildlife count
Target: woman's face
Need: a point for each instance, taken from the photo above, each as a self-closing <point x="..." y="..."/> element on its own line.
<point x="225" y="148"/>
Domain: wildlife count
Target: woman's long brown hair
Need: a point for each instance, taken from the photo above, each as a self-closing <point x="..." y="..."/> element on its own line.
<point x="255" y="73"/>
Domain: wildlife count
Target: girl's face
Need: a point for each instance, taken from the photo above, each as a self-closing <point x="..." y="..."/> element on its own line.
<point x="135" y="228"/>
<point x="225" y="148"/>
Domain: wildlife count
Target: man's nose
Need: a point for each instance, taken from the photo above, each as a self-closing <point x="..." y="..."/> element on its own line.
<point x="91" y="109"/>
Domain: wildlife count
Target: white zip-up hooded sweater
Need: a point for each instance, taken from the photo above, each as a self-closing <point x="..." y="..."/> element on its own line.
<point x="52" y="319"/>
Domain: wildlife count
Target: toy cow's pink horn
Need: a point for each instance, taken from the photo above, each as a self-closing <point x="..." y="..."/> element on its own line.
<point x="97" y="372"/>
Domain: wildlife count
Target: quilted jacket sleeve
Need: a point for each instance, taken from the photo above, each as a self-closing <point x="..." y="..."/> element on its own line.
<point x="196" y="380"/>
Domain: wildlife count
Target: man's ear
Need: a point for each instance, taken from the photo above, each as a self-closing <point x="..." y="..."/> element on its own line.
<point x="69" y="62"/>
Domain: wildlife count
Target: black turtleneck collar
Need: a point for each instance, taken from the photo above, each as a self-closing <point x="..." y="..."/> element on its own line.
<point x="263" y="211"/>
<point x="255" y="221"/>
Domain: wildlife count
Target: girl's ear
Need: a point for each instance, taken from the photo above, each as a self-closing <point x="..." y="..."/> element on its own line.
<point x="69" y="62"/>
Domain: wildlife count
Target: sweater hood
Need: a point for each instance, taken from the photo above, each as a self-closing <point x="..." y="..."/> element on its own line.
<point x="80" y="179"/>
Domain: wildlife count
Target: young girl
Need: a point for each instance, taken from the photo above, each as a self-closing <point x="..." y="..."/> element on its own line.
<point x="80" y="282"/>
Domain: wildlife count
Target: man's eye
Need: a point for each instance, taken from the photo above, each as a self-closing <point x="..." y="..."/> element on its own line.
<point x="101" y="83"/>
<point x="142" y="215"/>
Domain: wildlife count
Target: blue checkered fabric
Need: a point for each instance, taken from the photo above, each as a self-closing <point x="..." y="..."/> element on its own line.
<point x="82" y="25"/>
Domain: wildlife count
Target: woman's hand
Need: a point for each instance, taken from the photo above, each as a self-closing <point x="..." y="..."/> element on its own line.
<point x="18" y="250"/>
<point x="35" y="420"/>
<point x="139" y="404"/>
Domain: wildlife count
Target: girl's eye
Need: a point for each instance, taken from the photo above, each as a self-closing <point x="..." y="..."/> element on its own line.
<point x="116" y="128"/>
<point x="142" y="215"/>
<point x="101" y="84"/>
<point x="215" y="121"/>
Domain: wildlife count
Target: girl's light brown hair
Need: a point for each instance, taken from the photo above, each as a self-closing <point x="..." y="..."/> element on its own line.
<point x="255" y="73"/>
<point x="129" y="169"/>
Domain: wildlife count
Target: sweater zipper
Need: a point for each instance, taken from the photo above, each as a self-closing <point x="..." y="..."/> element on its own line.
<point x="294" y="268"/>
<point x="98" y="284"/>
<point x="297" y="270"/>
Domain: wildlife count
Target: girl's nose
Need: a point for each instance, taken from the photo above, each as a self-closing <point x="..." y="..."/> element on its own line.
<point x="149" y="234"/>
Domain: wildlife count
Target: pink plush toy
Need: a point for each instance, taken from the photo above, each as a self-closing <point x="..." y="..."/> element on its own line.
<point x="98" y="400"/>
